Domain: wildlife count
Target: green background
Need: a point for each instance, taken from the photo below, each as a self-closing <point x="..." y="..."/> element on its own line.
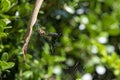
<point x="88" y="41"/>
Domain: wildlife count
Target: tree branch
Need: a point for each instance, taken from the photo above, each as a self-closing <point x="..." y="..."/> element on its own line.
<point x="31" y="23"/>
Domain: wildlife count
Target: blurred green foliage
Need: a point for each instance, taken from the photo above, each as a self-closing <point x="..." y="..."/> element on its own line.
<point x="87" y="46"/>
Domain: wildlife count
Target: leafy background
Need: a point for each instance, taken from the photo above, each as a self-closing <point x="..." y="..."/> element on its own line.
<point x="87" y="46"/>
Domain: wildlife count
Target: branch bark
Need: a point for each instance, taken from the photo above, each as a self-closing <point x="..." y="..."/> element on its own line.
<point x="31" y="23"/>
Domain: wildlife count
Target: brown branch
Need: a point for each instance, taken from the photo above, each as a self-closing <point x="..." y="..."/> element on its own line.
<point x="31" y="23"/>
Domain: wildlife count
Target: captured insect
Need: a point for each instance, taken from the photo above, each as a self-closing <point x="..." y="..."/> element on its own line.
<point x="43" y="33"/>
<point x="49" y="37"/>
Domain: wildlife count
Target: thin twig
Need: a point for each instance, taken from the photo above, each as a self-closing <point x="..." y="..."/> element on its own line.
<point x="31" y="23"/>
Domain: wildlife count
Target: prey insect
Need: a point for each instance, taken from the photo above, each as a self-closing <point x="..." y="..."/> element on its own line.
<point x="49" y="37"/>
<point x="43" y="33"/>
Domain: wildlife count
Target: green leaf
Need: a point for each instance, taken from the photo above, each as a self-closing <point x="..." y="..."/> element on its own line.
<point x="6" y="65"/>
<point x="5" y="5"/>
<point x="4" y="56"/>
<point x="2" y="25"/>
<point x="27" y="74"/>
<point x="59" y="59"/>
<point x="3" y="35"/>
<point x="46" y="48"/>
